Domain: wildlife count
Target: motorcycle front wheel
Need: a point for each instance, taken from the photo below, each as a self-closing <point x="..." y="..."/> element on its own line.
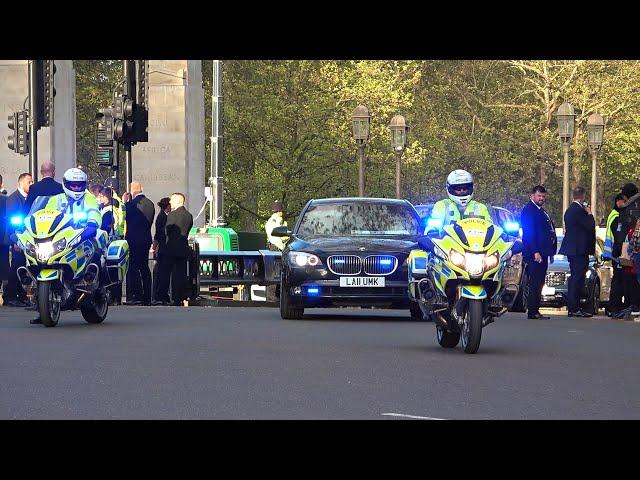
<point x="472" y="326"/>
<point x="49" y="304"/>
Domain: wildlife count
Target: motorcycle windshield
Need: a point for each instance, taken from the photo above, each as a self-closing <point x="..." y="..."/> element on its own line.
<point x="474" y="234"/>
<point x="38" y="204"/>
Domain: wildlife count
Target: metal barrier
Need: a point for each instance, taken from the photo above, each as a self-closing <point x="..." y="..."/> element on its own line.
<point x="261" y="267"/>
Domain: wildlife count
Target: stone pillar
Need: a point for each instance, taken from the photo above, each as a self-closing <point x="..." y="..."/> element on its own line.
<point x="173" y="158"/>
<point x="14" y="85"/>
<point x="57" y="143"/>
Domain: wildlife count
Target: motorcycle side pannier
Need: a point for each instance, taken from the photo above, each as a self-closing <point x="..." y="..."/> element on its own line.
<point x="118" y="260"/>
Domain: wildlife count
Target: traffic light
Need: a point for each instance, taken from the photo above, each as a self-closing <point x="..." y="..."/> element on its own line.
<point x="141" y="114"/>
<point x="49" y="71"/>
<point x="44" y="91"/>
<point x="123" y="115"/>
<point x="105" y="144"/>
<point x="19" y="142"/>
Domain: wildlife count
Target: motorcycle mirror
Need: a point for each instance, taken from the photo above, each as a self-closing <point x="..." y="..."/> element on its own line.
<point x="426" y="243"/>
<point x="281" y="231"/>
<point x="517" y="248"/>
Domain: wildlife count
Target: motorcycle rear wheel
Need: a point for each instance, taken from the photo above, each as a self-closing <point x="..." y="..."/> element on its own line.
<point x="48" y="304"/>
<point x="97" y="312"/>
<point x="472" y="327"/>
<point x="447" y="339"/>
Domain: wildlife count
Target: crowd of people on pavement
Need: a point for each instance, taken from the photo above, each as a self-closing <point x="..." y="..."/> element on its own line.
<point x="621" y="248"/>
<point x="130" y="217"/>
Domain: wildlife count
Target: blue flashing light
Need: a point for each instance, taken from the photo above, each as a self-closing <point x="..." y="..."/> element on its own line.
<point x="17" y="220"/>
<point x="313" y="291"/>
<point x="435" y="222"/>
<point x="79" y="216"/>
<point x="420" y="263"/>
<point x="386" y="261"/>
<point x="338" y="260"/>
<point x="511" y="227"/>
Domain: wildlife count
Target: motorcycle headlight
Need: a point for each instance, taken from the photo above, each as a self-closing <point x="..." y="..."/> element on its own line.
<point x="302" y="259"/>
<point x="457" y="258"/>
<point x="475" y="263"/>
<point x="44" y="250"/>
<point x="29" y="248"/>
<point x="491" y="261"/>
<point x="60" y="245"/>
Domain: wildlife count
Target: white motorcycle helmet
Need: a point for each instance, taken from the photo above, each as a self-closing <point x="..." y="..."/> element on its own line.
<point x="74" y="183"/>
<point x="460" y="187"/>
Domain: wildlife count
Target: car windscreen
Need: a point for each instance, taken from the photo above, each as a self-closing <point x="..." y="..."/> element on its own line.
<point x="358" y="218"/>
<point x="563" y="258"/>
<point x="424" y="210"/>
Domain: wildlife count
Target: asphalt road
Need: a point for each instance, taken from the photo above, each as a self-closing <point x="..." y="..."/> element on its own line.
<point x="247" y="363"/>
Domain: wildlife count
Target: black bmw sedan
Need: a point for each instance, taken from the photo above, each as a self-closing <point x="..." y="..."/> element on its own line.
<point x="348" y="252"/>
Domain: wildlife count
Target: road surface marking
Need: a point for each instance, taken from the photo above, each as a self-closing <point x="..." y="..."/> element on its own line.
<point x="411" y="416"/>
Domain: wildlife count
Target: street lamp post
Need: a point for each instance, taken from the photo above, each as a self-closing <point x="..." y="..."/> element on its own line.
<point x="595" y="131"/>
<point x="566" y="126"/>
<point x="399" y="130"/>
<point x="360" y="119"/>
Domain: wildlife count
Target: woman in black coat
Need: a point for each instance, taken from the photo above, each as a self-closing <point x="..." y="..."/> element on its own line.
<point x="160" y="293"/>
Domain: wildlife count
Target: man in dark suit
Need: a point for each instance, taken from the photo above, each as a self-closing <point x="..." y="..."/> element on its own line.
<point x="540" y="244"/>
<point x="14" y="295"/>
<point x="139" y="213"/>
<point x="177" y="251"/>
<point x="579" y="242"/>
<point x="46" y="187"/>
<point x="160" y="286"/>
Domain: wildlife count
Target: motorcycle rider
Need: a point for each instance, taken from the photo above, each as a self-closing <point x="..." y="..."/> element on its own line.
<point x="459" y="205"/>
<point x="76" y="199"/>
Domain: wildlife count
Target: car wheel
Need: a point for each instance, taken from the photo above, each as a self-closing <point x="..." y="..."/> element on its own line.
<point x="288" y="311"/>
<point x="593" y="305"/>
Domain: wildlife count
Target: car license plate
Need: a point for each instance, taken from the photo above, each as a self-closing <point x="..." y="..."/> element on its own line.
<point x="362" y="281"/>
<point x="548" y="290"/>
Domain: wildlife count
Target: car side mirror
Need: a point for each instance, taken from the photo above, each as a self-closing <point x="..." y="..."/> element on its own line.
<point x="281" y="231"/>
<point x="517" y="247"/>
<point x="426" y="243"/>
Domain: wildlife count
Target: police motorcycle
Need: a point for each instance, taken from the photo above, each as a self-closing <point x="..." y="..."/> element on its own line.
<point x="63" y="263"/>
<point x="456" y="278"/>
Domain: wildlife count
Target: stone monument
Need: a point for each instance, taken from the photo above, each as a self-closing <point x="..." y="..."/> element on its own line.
<point x="173" y="158"/>
<point x="57" y="143"/>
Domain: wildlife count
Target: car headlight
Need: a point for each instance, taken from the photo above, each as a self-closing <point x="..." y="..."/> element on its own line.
<point x="302" y="259"/>
<point x="491" y="261"/>
<point x="44" y="250"/>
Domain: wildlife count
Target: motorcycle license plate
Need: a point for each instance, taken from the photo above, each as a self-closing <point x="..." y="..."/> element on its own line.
<point x="362" y="281"/>
<point x="548" y="290"/>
